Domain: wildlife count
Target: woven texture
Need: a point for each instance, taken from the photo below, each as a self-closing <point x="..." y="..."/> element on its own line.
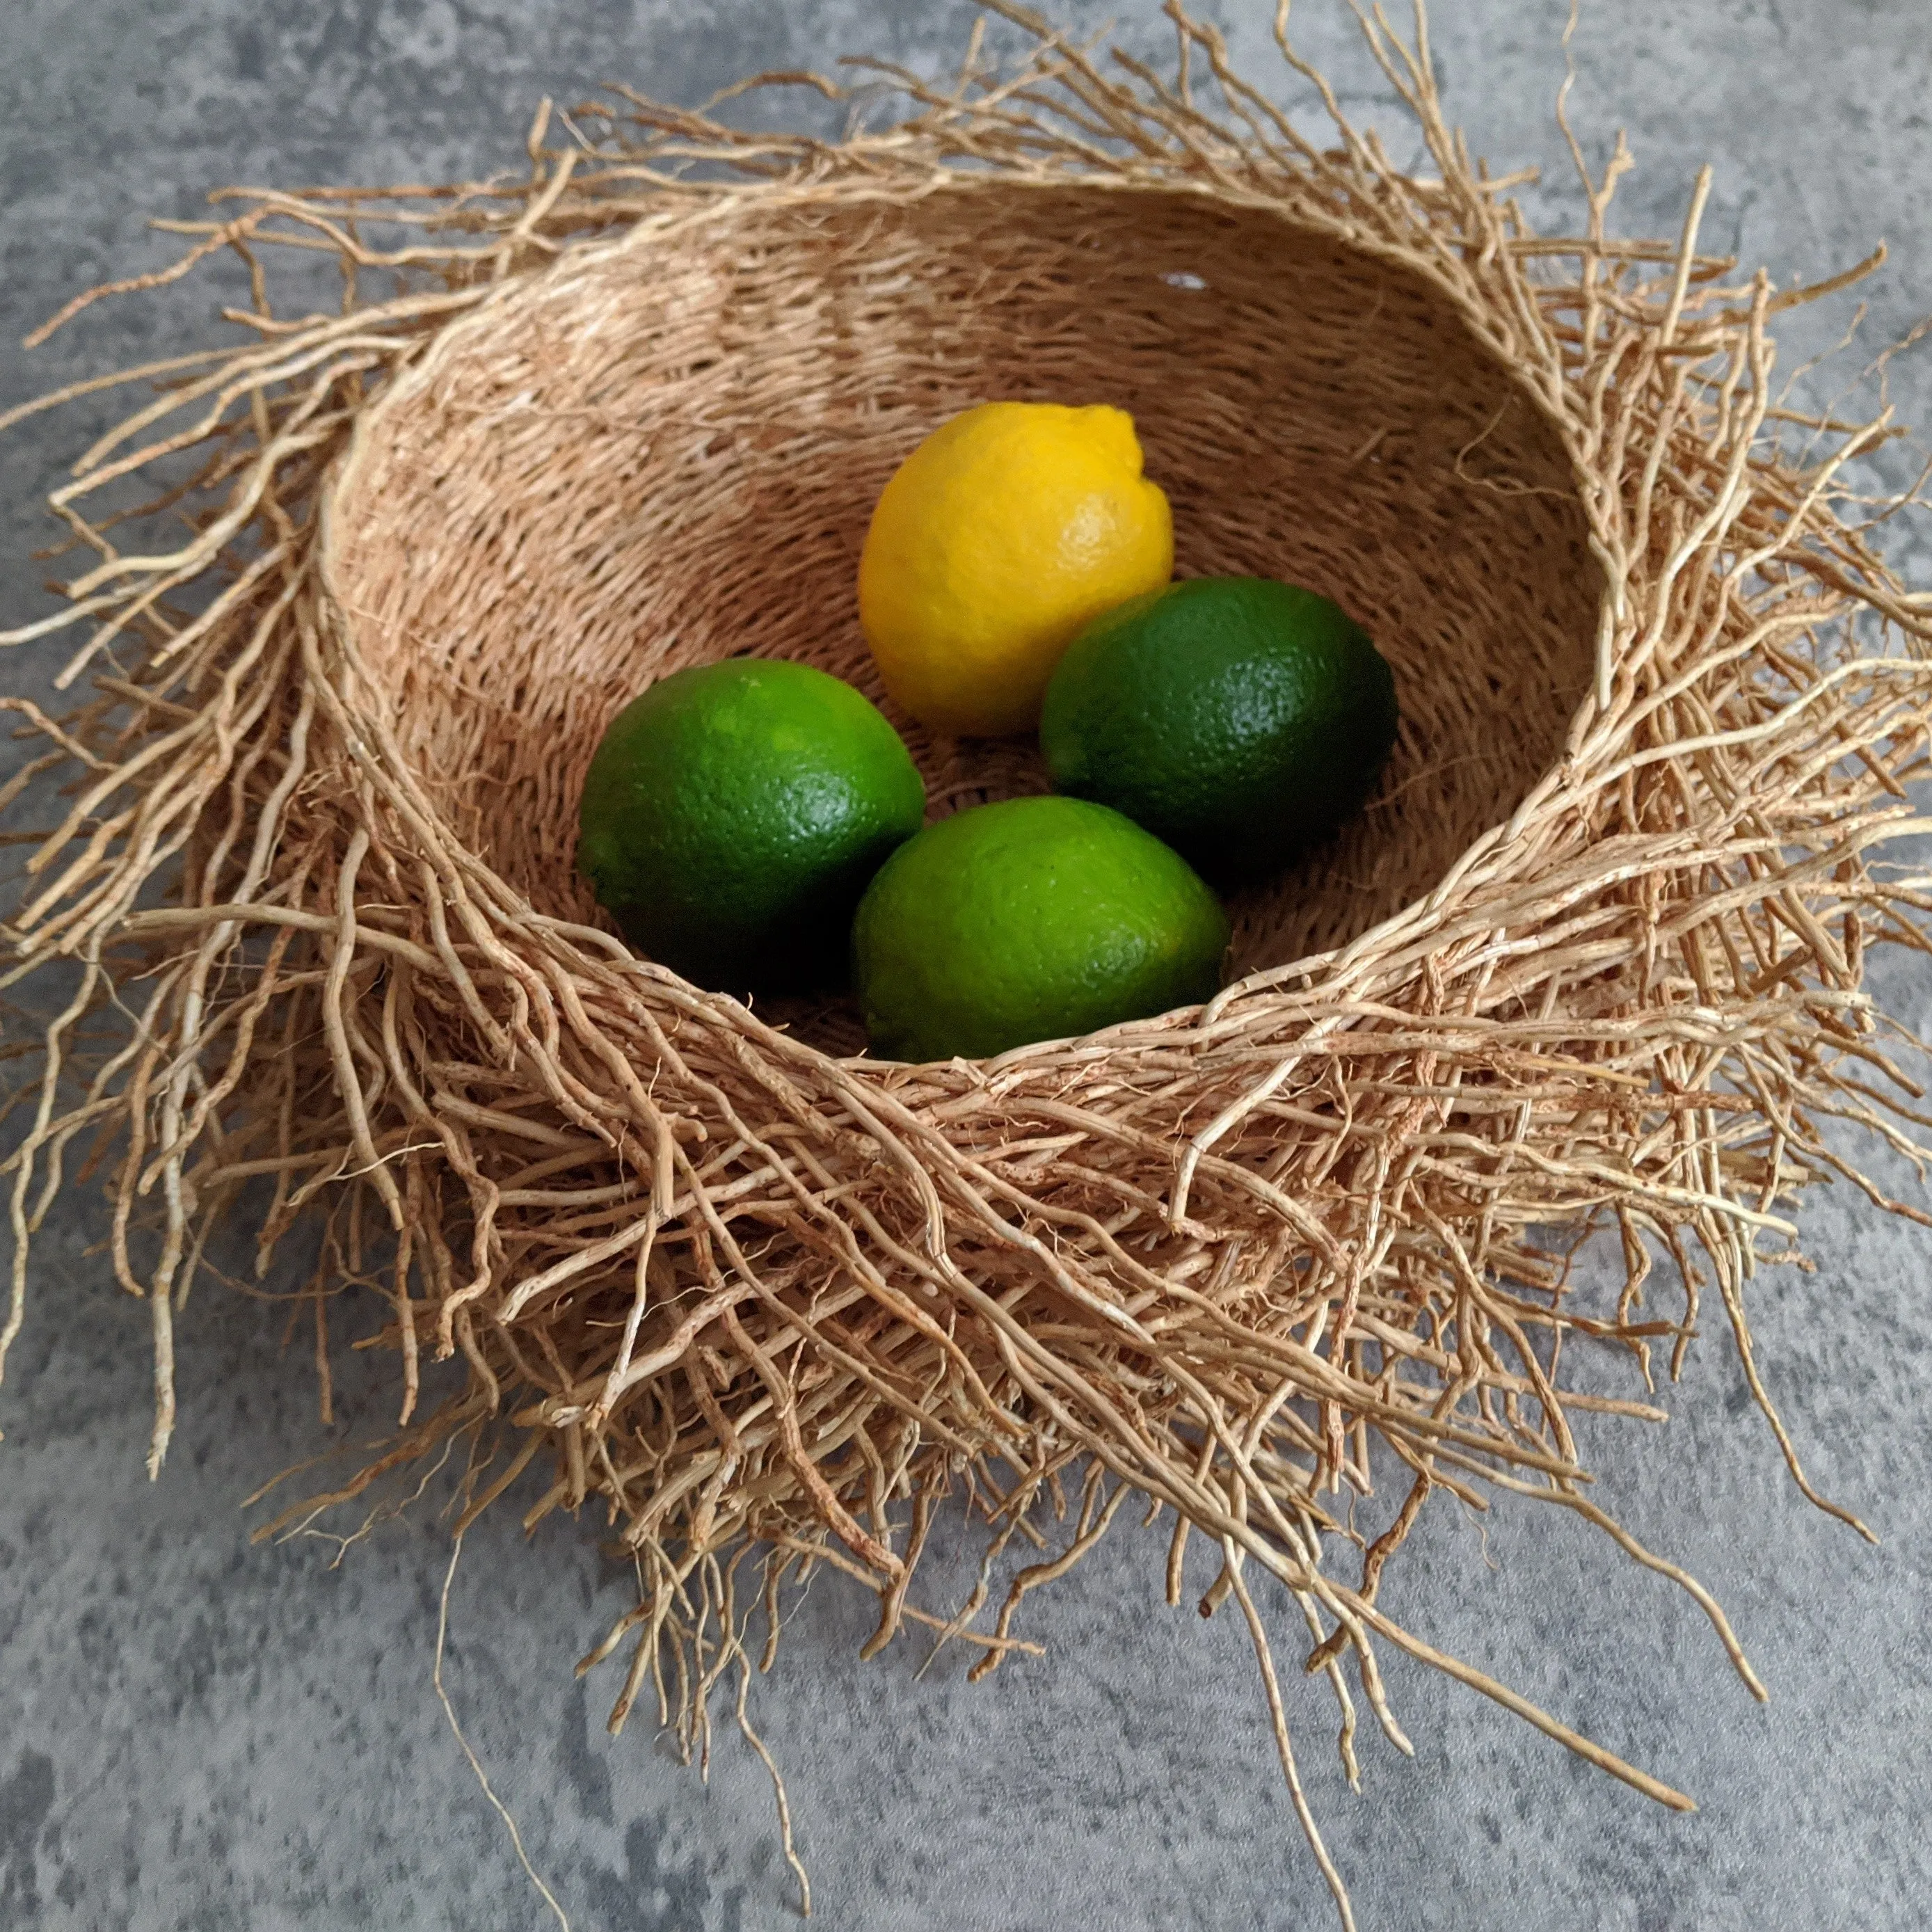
<point x="1592" y="956"/>
<point x="701" y="468"/>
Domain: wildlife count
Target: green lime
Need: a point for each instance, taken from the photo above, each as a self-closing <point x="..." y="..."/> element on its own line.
<point x="1234" y="717"/>
<point x="734" y="813"/>
<point x="1034" y="920"/>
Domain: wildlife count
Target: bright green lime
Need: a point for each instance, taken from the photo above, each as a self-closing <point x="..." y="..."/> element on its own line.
<point x="1234" y="717"/>
<point x="1035" y="920"/>
<point x="734" y="813"/>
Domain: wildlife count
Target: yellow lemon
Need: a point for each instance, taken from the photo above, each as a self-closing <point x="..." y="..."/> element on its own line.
<point x="997" y="539"/>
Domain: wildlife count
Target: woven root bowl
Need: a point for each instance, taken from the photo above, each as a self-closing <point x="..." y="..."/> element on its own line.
<point x="1592" y="959"/>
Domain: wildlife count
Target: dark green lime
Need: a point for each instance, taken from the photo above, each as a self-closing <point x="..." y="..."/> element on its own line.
<point x="1236" y="718"/>
<point x="735" y="812"/>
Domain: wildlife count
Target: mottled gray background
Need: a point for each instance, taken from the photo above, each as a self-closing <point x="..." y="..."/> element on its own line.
<point x="194" y="1732"/>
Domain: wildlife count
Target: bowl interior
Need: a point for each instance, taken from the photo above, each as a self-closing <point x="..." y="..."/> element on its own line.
<point x="667" y="451"/>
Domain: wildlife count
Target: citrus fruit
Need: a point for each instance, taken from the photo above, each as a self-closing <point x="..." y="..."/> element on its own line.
<point x="734" y="813"/>
<point x="1234" y="717"/>
<point x="1003" y="533"/>
<point x="1032" y="920"/>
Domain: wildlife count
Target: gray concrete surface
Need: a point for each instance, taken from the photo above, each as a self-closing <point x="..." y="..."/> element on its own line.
<point x="196" y="1733"/>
